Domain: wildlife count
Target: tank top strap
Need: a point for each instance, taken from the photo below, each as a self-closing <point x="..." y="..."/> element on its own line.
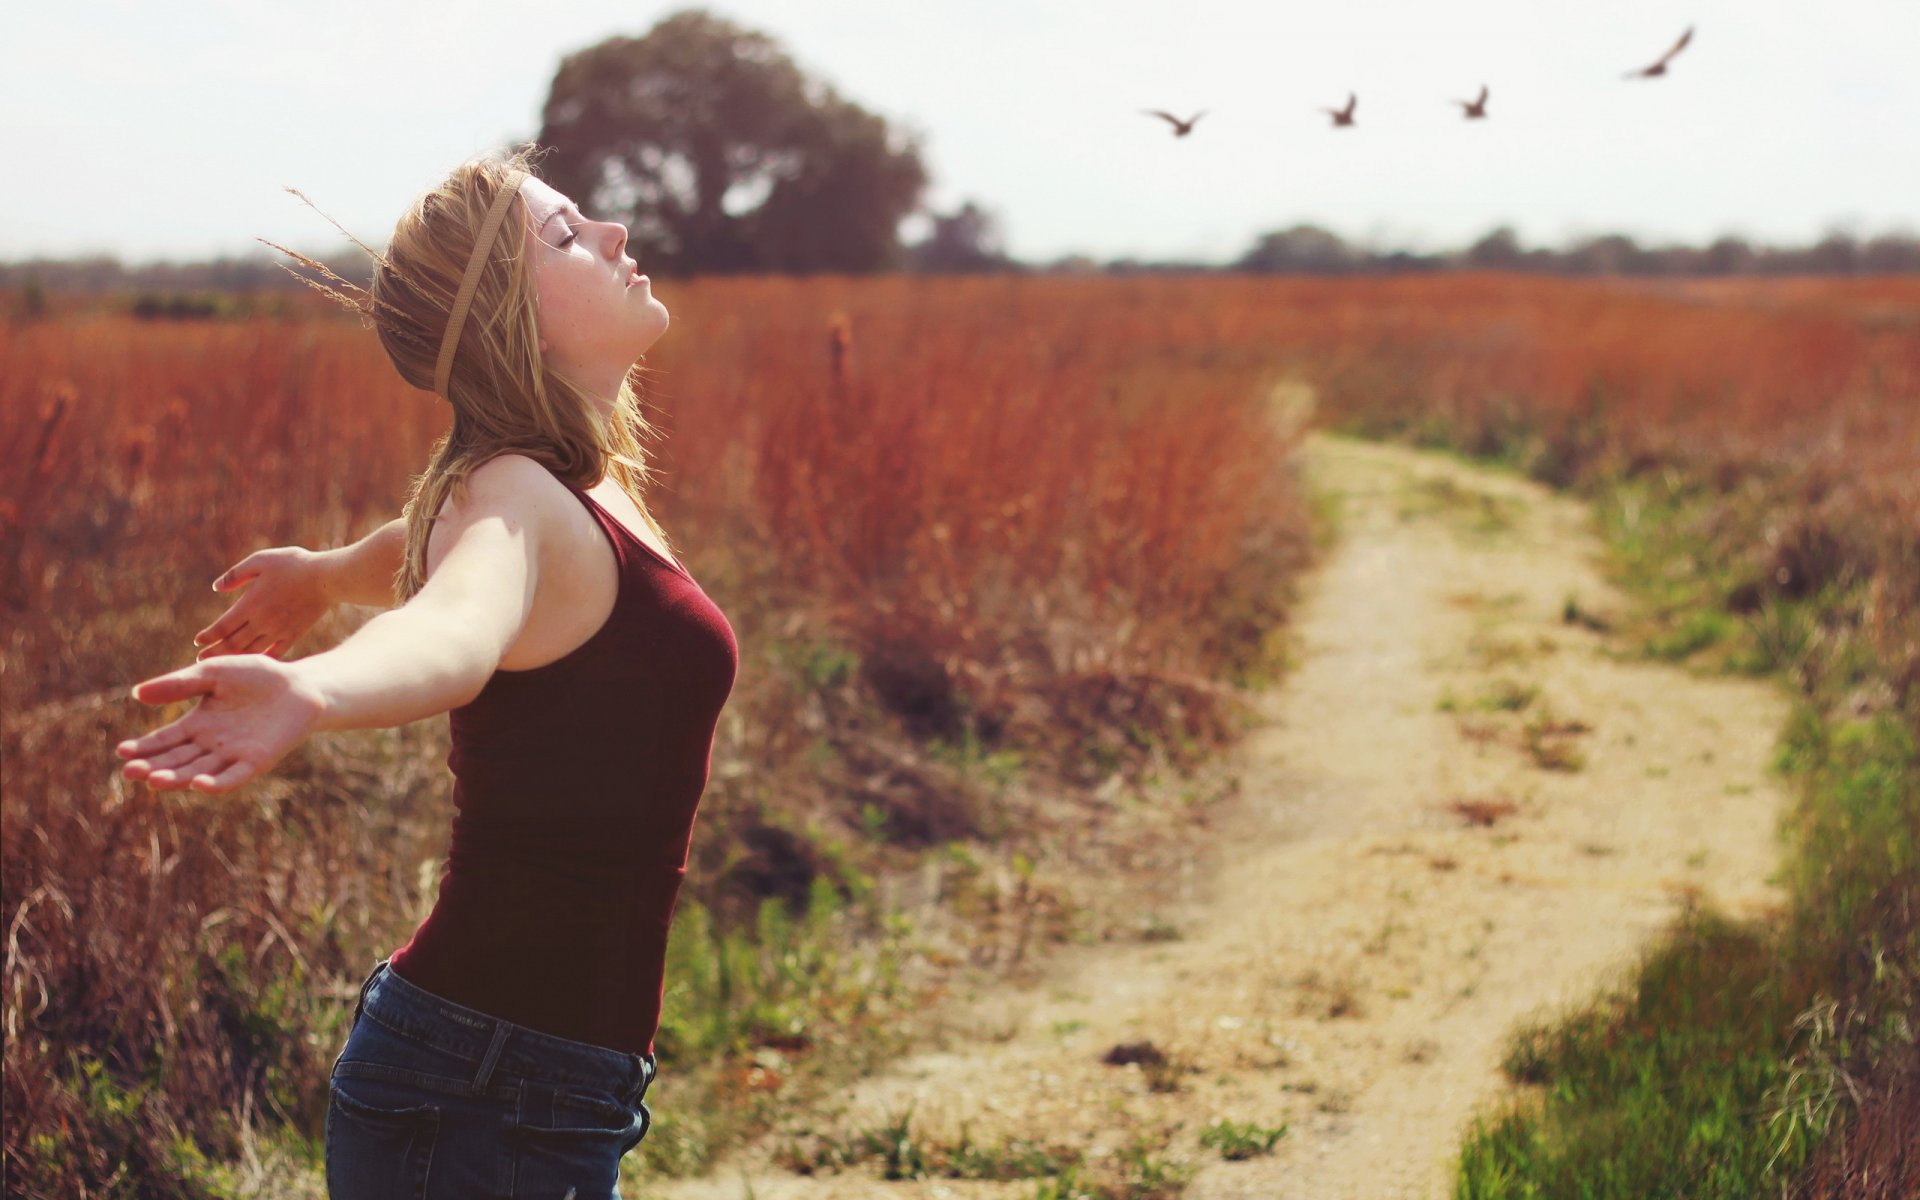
<point x="612" y="528"/>
<point x="624" y="538"/>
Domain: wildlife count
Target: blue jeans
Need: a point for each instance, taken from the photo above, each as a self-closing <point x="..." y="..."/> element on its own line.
<point x="431" y="1100"/>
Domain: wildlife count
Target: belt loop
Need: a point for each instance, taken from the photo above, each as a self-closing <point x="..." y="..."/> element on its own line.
<point x="366" y="986"/>
<point x="492" y="1056"/>
<point x="642" y="1077"/>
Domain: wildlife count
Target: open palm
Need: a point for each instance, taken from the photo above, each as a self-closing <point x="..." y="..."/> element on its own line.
<point x="252" y="710"/>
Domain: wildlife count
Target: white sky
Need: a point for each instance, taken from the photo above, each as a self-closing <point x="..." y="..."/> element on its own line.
<point x="166" y="129"/>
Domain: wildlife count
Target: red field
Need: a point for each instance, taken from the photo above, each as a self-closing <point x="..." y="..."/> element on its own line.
<point x="1066" y="500"/>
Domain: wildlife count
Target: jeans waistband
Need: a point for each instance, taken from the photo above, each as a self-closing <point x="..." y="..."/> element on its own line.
<point x="494" y="1044"/>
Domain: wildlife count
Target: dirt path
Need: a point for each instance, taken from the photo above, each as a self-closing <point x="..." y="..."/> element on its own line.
<point x="1350" y="957"/>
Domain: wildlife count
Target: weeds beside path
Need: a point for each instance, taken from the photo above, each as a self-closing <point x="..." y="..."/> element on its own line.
<point x="1464" y="811"/>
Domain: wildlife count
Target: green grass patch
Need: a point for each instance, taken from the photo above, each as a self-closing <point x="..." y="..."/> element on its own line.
<point x="1695" y="632"/>
<point x="1721" y="1065"/>
<point x="1238" y="1140"/>
<point x="765" y="1014"/>
<point x="732" y="990"/>
<point x="1502" y="695"/>
<point x="1660" y="1089"/>
<point x="900" y="1153"/>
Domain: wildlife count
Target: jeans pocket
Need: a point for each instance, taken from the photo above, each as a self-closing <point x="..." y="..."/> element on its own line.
<point x="573" y="1139"/>
<point x="379" y="1140"/>
<point x="377" y="1051"/>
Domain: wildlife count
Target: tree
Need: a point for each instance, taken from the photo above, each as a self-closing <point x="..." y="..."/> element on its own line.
<point x="966" y="240"/>
<point x="1729" y="255"/>
<point x="1608" y="254"/>
<point x="1890" y="253"/>
<point x="1497" y="251"/>
<point x="719" y="154"/>
<point x="1838" y="253"/>
<point x="1303" y="249"/>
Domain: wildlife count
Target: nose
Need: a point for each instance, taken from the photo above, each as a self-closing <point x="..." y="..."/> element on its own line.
<point x="620" y="239"/>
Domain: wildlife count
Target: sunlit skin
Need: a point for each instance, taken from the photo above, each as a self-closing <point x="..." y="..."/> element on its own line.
<point x="596" y="314"/>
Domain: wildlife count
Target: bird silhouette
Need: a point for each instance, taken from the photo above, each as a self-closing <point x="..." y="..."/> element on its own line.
<point x="1478" y="108"/>
<point x="1180" y="128"/>
<point x="1660" y="68"/>
<point x="1343" y="116"/>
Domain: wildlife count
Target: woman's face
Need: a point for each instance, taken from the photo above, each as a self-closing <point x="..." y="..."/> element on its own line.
<point x="597" y="313"/>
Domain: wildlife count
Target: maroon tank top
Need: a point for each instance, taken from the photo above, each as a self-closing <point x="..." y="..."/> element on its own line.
<point x="575" y="788"/>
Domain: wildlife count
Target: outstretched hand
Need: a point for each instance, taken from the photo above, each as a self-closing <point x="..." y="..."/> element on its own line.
<point x="252" y="710"/>
<point x="285" y="595"/>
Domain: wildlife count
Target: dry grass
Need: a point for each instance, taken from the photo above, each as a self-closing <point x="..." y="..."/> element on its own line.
<point x="1485" y="812"/>
<point x="941" y="522"/>
<point x="1052" y="515"/>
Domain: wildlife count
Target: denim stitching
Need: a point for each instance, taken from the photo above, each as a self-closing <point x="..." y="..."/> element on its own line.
<point x="442" y="1085"/>
<point x="433" y="1143"/>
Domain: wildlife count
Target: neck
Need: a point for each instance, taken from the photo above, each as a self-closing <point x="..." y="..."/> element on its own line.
<point x="604" y="389"/>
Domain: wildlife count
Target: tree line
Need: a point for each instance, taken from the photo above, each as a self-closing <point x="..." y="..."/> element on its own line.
<point x="967" y="241"/>
<point x="722" y="156"/>
<point x="1312" y="250"/>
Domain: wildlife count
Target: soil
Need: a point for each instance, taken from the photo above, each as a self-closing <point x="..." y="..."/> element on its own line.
<point x="1465" y="808"/>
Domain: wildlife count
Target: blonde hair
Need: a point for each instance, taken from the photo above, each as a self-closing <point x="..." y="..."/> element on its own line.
<point x="505" y="399"/>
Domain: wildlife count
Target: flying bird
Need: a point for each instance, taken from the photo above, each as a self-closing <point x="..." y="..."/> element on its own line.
<point x="1478" y="108"/>
<point x="1343" y="116"/>
<point x="1180" y="128"/>
<point x="1660" y="68"/>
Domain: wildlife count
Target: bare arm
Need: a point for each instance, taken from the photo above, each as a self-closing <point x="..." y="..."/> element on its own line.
<point x="433" y="654"/>
<point x="437" y="651"/>
<point x="363" y="572"/>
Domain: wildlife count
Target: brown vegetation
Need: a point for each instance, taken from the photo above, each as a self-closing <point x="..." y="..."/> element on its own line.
<point x="1051" y="516"/>
<point x="948" y="523"/>
<point x="1485" y="812"/>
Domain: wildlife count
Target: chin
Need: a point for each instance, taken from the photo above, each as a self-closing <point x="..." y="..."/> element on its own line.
<point x="657" y="327"/>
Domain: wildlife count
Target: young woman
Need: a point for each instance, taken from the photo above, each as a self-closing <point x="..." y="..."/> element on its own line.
<point x="505" y="1050"/>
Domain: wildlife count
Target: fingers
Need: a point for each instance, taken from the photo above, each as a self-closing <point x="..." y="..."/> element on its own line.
<point x="144" y="763"/>
<point x="205" y="763"/>
<point x="220" y="630"/>
<point x="145" y="768"/>
<point x="228" y="646"/>
<point x="224" y="781"/>
<point x="237" y="574"/>
<point x="158" y="742"/>
<point x="263" y="643"/>
<point x="179" y="685"/>
<point x="176" y="757"/>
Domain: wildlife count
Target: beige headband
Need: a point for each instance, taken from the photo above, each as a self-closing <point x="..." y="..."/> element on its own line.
<point x="463" y="300"/>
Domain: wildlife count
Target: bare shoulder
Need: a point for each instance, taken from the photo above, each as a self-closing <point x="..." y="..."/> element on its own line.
<point x="515" y="475"/>
<point x="510" y="493"/>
